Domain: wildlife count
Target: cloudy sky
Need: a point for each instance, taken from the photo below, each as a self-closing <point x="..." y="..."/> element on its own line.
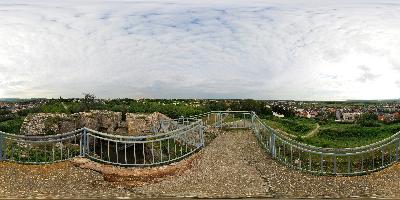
<point x="309" y="50"/>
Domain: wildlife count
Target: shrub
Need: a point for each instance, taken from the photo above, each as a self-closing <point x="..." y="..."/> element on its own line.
<point x="12" y="126"/>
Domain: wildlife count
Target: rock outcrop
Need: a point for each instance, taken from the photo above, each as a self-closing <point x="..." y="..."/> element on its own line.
<point x="49" y="123"/>
<point x="143" y="123"/>
<point x="103" y="121"/>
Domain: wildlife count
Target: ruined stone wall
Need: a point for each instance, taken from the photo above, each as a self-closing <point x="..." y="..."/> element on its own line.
<point x="139" y="123"/>
<point x="103" y="121"/>
<point x="49" y="123"/>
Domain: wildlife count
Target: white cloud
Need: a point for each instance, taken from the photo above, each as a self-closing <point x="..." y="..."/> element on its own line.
<point x="398" y="83"/>
<point x="366" y="74"/>
<point x="205" y="49"/>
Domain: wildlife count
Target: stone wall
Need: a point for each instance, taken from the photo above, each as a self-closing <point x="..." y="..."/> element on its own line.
<point x="103" y="121"/>
<point x="49" y="123"/>
<point x="139" y="124"/>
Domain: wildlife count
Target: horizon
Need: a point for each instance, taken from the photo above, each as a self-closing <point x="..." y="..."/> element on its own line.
<point x="346" y="100"/>
<point x="305" y="50"/>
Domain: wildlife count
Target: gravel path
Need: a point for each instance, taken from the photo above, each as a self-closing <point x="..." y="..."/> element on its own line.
<point x="60" y="180"/>
<point x="232" y="165"/>
<point x="221" y="171"/>
<point x="312" y="133"/>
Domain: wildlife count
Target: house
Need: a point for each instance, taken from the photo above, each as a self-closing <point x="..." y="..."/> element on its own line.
<point x="312" y="114"/>
<point x="338" y="116"/>
<point x="389" y="117"/>
<point x="350" y="117"/>
<point x="346" y="116"/>
<point x="278" y="115"/>
<point x="301" y="112"/>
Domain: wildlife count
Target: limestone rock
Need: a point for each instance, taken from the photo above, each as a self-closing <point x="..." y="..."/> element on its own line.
<point x="103" y="121"/>
<point x="139" y="124"/>
<point x="48" y="123"/>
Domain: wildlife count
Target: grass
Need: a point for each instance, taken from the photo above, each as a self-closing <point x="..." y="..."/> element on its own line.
<point x="333" y="134"/>
<point x="39" y="152"/>
<point x="293" y="126"/>
<point x="336" y="135"/>
<point x="12" y="126"/>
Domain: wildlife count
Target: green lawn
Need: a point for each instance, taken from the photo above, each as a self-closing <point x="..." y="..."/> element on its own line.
<point x="337" y="135"/>
<point x="333" y="134"/>
<point x="293" y="126"/>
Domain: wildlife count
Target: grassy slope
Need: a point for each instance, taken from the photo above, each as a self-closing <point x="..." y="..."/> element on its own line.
<point x="11" y="126"/>
<point x="350" y="135"/>
<point x="334" y="135"/>
<point x="294" y="126"/>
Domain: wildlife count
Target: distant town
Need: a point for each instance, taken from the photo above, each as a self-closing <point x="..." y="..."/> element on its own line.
<point x="347" y="111"/>
<point x="339" y="111"/>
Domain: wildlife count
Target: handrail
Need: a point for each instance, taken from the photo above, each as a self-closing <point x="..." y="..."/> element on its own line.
<point x="127" y="137"/>
<point x="327" y="161"/>
<point x="188" y="137"/>
<point x="332" y="150"/>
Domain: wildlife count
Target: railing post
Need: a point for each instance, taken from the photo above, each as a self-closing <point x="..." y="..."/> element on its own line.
<point x="220" y="120"/>
<point x="273" y="148"/>
<point x="87" y="142"/>
<point x="397" y="149"/>
<point x="216" y="119"/>
<point x="1" y="146"/>
<point x="201" y="129"/>
<point x="348" y="164"/>
<point x="383" y="156"/>
<point x="334" y="165"/>
<point x="322" y="163"/>
<point x="82" y="143"/>
<point x="362" y="162"/>
<point x="253" y="116"/>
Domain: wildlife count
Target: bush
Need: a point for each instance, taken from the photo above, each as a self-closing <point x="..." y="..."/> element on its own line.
<point x="12" y="126"/>
<point x="4" y="112"/>
<point x="7" y="117"/>
<point x="368" y="120"/>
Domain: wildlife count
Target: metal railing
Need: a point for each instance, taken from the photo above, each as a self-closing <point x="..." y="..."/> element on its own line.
<point x="308" y="158"/>
<point x="149" y="150"/>
<point x="41" y="149"/>
<point x="327" y="161"/>
<point x="226" y="119"/>
<point x="171" y="140"/>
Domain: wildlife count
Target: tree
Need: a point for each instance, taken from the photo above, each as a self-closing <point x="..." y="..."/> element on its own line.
<point x="286" y="111"/>
<point x="88" y="101"/>
<point x="368" y="120"/>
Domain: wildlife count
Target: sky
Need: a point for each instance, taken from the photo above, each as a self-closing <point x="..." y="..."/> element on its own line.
<point x="301" y="50"/>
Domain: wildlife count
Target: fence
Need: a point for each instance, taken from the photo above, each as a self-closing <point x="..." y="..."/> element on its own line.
<point x="327" y="161"/>
<point x="172" y="140"/>
<point x="41" y="149"/>
<point x="226" y="119"/>
<point x="162" y="146"/>
<point x="297" y="155"/>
